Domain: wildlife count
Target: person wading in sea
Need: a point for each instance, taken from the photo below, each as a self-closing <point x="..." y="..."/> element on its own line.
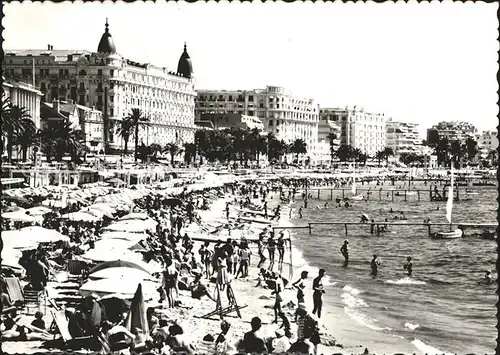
<point x="408" y="266"/>
<point x="344" y="249"/>
<point x="374" y="265"/>
<point x="318" y="293"/>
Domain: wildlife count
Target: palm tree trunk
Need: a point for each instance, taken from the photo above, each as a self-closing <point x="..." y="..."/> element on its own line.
<point x="125" y="145"/>
<point x="136" y="141"/>
<point x="9" y="145"/>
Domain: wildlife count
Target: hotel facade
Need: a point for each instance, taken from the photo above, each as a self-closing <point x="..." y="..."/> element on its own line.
<point x="113" y="85"/>
<point x="286" y="116"/>
<point x="358" y="128"/>
<point x="403" y="137"/>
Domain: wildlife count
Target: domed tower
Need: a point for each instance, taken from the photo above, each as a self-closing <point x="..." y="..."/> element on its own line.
<point x="185" y="67"/>
<point x="106" y="44"/>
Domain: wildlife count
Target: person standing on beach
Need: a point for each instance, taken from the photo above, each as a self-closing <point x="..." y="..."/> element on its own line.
<point x="318" y="292"/>
<point x="299" y="285"/>
<point x="278" y="288"/>
<point x="261" y="251"/>
<point x="344" y="249"/>
<point x="271" y="246"/>
<point x="281" y="248"/>
<point x="266" y="216"/>
<point x="374" y="265"/>
<point x="300" y="212"/>
<point x="245" y="253"/>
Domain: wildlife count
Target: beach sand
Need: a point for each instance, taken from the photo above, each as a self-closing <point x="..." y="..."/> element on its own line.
<point x="258" y="302"/>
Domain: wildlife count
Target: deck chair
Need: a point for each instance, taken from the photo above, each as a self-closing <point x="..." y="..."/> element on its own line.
<point x="26" y="297"/>
<point x="62" y="325"/>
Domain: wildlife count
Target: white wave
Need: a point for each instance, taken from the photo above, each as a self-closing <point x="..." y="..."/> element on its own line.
<point x="351" y="290"/>
<point x="352" y="301"/>
<point x="405" y="281"/>
<point x="427" y="349"/>
<point x="411" y="326"/>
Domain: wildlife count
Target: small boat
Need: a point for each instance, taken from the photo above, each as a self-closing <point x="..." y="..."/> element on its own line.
<point x="451" y="234"/>
<point x="457" y="233"/>
<point x="357" y="198"/>
<point x="490" y="235"/>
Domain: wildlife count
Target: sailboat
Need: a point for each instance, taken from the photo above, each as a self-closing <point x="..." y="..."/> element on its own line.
<point x="452" y="234"/>
<point x="355" y="197"/>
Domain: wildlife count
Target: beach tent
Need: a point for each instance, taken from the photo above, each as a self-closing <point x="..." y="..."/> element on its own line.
<point x="31" y="236"/>
<point x="121" y="272"/>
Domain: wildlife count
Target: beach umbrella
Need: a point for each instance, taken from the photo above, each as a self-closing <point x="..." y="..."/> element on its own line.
<point x="120" y="263"/>
<point x="133" y="226"/>
<point x="19" y="216"/>
<point x="136" y="237"/>
<point x="39" y="210"/>
<point x="96" y="211"/>
<point x="101" y="255"/>
<point x="135" y="215"/>
<point x="136" y="320"/>
<point x="114" y="244"/>
<point x="121" y="272"/>
<point x="13" y="209"/>
<point x="29" y="236"/>
<point x="122" y="286"/>
<point x="80" y="216"/>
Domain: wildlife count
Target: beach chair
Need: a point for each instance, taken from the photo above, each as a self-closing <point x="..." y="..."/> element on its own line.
<point x="26" y="298"/>
<point x="62" y="326"/>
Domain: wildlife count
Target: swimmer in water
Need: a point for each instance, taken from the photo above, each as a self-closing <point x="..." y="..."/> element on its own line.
<point x="487" y="277"/>
<point x="326" y="205"/>
<point x="345" y="252"/>
<point x="374" y="265"/>
<point x="408" y="266"/>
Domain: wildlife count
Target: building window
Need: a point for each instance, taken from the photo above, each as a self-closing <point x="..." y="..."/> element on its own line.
<point x="111" y="72"/>
<point x="271" y="123"/>
<point x="61" y="72"/>
<point x="99" y="72"/>
<point x="250" y="98"/>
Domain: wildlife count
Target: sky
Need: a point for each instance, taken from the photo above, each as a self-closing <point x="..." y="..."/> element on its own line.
<point x="413" y="62"/>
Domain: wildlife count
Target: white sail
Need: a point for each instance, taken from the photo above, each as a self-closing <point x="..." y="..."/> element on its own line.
<point x="449" y="203"/>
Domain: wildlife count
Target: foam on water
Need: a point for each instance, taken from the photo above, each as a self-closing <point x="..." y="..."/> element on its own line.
<point x="427" y="349"/>
<point x="405" y="281"/>
<point x="411" y="326"/>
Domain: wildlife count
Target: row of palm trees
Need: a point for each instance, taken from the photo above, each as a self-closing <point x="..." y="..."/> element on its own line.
<point x="231" y="144"/>
<point x="55" y="140"/>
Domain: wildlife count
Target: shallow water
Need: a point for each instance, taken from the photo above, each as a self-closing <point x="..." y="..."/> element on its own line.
<point x="443" y="306"/>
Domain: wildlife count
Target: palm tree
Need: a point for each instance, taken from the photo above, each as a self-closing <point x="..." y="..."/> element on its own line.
<point x="471" y="147"/>
<point x="201" y="143"/>
<point x="379" y="156"/>
<point x="388" y="152"/>
<point x="155" y="148"/>
<point x="58" y="139"/>
<point x="172" y="149"/>
<point x="189" y="152"/>
<point x="125" y="130"/>
<point x="298" y="147"/>
<point x="12" y="122"/>
<point x="442" y="148"/>
<point x="137" y="119"/>
<point x="25" y="137"/>
<point x="456" y="150"/>
<point x="493" y="157"/>
<point x="331" y="138"/>
<point x="345" y="152"/>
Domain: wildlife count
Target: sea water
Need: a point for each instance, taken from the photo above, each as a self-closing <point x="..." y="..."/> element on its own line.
<point x="444" y="307"/>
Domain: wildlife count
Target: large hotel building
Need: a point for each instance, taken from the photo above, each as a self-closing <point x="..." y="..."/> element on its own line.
<point x="283" y="114"/>
<point x="360" y="129"/>
<point x="114" y="85"/>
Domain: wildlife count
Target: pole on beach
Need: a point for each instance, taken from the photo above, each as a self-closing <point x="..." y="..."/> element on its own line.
<point x="429" y="229"/>
<point x="331" y="194"/>
<point x="405" y="195"/>
<point x="418" y="195"/>
<point x="343" y="196"/>
<point x="392" y="195"/>
<point x="345" y="228"/>
<point x="310" y="228"/>
<point x="318" y="193"/>
<point x="380" y="194"/>
<point x="290" y="269"/>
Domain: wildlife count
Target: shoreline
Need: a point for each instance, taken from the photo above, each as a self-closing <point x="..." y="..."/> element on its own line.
<point x="259" y="301"/>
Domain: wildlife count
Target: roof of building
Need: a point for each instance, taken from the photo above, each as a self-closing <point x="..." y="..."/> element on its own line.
<point x="185" y="67"/>
<point x="106" y="44"/>
<point x="59" y="54"/>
